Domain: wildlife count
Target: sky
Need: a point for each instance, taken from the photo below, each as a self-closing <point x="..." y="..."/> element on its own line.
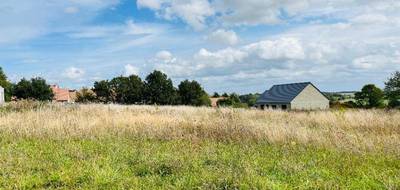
<point x="226" y="45"/>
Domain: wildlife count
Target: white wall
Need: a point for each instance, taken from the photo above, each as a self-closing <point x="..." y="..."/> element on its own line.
<point x="310" y="99"/>
<point x="1" y="95"/>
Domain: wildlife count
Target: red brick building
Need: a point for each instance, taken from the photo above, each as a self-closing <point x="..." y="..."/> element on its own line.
<point x="62" y="94"/>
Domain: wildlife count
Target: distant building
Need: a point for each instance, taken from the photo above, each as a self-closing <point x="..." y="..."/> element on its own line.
<point x="296" y="96"/>
<point x="214" y="101"/>
<point x="63" y="95"/>
<point x="2" y="100"/>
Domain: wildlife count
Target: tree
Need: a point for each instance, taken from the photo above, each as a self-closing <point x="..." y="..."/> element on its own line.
<point x="128" y="90"/>
<point x="232" y="100"/>
<point x="6" y="85"/>
<point x="23" y="89"/>
<point x="249" y="99"/>
<point x="85" y="95"/>
<point x="392" y="89"/>
<point x="216" y="95"/>
<point x="225" y="95"/>
<point x="191" y="93"/>
<point x="41" y="90"/>
<point x="370" y="97"/>
<point x="103" y="91"/>
<point x="36" y="89"/>
<point x="159" y="89"/>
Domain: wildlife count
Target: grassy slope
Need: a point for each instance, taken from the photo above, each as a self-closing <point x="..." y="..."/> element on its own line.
<point x="154" y="164"/>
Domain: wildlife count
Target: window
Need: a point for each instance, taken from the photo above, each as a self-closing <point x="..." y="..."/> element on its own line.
<point x="284" y="107"/>
<point x="274" y="107"/>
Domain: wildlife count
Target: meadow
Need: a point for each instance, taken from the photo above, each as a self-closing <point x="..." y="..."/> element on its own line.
<point x="47" y="146"/>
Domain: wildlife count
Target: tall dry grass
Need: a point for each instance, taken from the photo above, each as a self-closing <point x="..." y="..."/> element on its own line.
<point x="353" y="130"/>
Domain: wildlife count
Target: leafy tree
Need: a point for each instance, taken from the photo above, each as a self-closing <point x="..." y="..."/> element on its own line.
<point x="36" y="89"/>
<point x="191" y="93"/>
<point x="225" y="95"/>
<point x="392" y="90"/>
<point x="216" y="95"/>
<point x="232" y="101"/>
<point x="128" y="90"/>
<point x="249" y="99"/>
<point x="205" y="100"/>
<point x="103" y="91"/>
<point x="370" y="97"/>
<point x="22" y="90"/>
<point x="85" y="95"/>
<point x="41" y="90"/>
<point x="159" y="89"/>
<point x="6" y="85"/>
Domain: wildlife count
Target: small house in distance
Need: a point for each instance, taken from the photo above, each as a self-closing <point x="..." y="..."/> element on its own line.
<point x="2" y="95"/>
<point x="63" y="95"/>
<point x="295" y="96"/>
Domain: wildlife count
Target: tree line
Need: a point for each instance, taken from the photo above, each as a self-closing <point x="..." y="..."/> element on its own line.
<point x="157" y="88"/>
<point x="372" y="96"/>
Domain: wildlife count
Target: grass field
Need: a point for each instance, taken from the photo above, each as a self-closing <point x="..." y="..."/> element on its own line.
<point x="149" y="147"/>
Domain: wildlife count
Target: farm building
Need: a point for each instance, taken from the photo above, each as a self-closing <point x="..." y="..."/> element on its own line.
<point x="296" y="96"/>
<point x="2" y="95"/>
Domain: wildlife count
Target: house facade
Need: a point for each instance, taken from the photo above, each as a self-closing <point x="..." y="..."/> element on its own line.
<point x="2" y="96"/>
<point x="295" y="96"/>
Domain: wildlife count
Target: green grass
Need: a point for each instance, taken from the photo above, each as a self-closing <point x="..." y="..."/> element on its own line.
<point x="128" y="163"/>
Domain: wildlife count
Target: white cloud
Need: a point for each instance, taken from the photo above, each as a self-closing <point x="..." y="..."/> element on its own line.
<point x="151" y="4"/>
<point x="225" y="37"/>
<point x="224" y="57"/>
<point x="74" y="73"/>
<point x="370" y="19"/>
<point x="369" y="62"/>
<point x="26" y="19"/>
<point x="131" y="70"/>
<point x="130" y="28"/>
<point x="285" y="48"/>
<point x="193" y="12"/>
<point x="165" y="56"/>
<point x="71" y="10"/>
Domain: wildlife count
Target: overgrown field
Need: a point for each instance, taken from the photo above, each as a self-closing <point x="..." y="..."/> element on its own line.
<point x="149" y="147"/>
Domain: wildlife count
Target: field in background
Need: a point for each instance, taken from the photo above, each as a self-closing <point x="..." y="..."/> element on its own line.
<point x="109" y="146"/>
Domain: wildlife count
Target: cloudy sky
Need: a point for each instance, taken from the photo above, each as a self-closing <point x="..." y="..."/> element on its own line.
<point x="227" y="45"/>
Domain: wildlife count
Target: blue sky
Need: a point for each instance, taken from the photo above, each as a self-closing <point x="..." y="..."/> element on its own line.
<point x="227" y="45"/>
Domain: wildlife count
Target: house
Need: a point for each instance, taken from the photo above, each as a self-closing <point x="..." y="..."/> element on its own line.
<point x="63" y="95"/>
<point x="296" y="96"/>
<point x="2" y="100"/>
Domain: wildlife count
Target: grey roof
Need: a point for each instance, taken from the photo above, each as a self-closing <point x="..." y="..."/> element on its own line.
<point x="283" y="93"/>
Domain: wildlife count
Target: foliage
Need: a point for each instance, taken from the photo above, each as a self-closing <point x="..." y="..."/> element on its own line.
<point x="215" y="95"/>
<point x="6" y="85"/>
<point x="128" y="90"/>
<point x="103" y="91"/>
<point x="392" y="90"/>
<point x="232" y="101"/>
<point x="225" y="95"/>
<point x="86" y="95"/>
<point x="342" y="105"/>
<point x="249" y="99"/>
<point x="159" y="89"/>
<point x="333" y="97"/>
<point x="191" y="93"/>
<point x="36" y="89"/>
<point x="370" y="97"/>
